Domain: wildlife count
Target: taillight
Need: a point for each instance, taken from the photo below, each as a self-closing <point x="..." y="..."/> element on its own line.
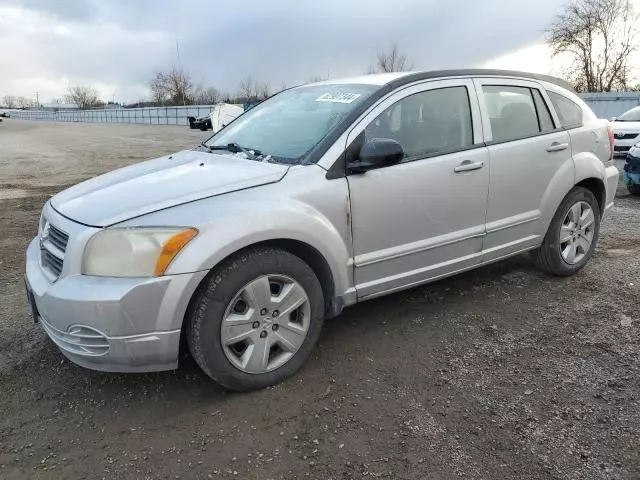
<point x="611" y="142"/>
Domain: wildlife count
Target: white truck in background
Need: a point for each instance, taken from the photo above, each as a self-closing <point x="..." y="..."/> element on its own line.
<point x="221" y="115"/>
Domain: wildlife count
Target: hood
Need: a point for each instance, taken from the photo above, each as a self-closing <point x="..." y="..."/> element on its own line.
<point x="626" y="127"/>
<point x="161" y="183"/>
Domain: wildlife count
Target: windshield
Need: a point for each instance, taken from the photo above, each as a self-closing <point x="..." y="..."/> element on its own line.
<point x="632" y="115"/>
<point x="289" y="125"/>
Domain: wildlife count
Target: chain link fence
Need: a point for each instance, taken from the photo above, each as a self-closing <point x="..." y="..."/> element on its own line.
<point x="146" y="115"/>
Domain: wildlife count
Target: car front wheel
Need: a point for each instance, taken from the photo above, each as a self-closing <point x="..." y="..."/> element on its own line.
<point x="572" y="235"/>
<point x="255" y="319"/>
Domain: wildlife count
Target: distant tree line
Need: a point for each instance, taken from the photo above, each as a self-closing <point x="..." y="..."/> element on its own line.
<point x="175" y="87"/>
<point x="11" y="101"/>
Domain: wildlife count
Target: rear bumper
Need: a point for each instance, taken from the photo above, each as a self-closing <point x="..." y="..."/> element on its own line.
<point x="112" y="324"/>
<point x="611" y="177"/>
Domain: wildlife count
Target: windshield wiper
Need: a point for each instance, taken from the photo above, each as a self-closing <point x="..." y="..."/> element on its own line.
<point x="235" y="148"/>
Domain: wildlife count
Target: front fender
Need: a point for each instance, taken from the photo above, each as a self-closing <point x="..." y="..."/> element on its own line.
<point x="313" y="211"/>
<point x="222" y="237"/>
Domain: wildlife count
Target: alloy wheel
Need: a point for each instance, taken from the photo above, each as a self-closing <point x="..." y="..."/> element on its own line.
<point x="265" y="324"/>
<point x="576" y="232"/>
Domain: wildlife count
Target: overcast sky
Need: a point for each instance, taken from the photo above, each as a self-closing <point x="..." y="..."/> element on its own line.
<point x="116" y="45"/>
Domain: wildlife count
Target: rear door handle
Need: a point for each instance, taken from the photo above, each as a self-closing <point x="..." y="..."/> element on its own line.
<point x="557" y="146"/>
<point x="468" y="166"/>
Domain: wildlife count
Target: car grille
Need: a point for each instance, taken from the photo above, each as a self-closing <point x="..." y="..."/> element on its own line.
<point x="619" y="148"/>
<point x="625" y="136"/>
<point x="58" y="238"/>
<point x="53" y="248"/>
<point x="52" y="262"/>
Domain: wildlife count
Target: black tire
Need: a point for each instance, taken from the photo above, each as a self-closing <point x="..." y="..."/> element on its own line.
<point x="548" y="257"/>
<point x="207" y="308"/>
<point x="634" y="189"/>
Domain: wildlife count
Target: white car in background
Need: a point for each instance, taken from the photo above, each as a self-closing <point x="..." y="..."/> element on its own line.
<point x="221" y="115"/>
<point x="626" y="131"/>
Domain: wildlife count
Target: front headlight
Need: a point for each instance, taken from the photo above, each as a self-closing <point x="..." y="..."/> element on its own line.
<point x="134" y="252"/>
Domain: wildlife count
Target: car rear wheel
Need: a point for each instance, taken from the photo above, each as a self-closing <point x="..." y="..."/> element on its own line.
<point x="572" y="235"/>
<point x="255" y="319"/>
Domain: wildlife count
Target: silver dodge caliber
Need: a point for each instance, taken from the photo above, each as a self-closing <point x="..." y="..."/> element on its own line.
<point x="320" y="197"/>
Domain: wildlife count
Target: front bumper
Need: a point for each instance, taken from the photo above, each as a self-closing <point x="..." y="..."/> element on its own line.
<point x="622" y="146"/>
<point x="632" y="167"/>
<point x="112" y="324"/>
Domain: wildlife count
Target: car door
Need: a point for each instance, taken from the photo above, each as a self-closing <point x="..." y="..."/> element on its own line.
<point x="424" y="217"/>
<point x="531" y="164"/>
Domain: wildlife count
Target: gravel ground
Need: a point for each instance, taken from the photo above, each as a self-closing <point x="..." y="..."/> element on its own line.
<point x="498" y="373"/>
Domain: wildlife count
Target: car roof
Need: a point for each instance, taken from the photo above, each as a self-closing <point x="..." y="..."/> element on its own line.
<point x="371" y="79"/>
<point x="401" y="78"/>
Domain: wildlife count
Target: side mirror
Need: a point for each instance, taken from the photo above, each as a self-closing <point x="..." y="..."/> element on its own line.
<point x="377" y="153"/>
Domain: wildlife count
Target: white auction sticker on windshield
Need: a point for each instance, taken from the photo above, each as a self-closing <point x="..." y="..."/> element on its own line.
<point x="338" y="97"/>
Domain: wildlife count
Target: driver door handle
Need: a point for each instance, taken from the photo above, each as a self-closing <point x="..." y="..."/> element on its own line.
<point x="557" y="146"/>
<point x="468" y="166"/>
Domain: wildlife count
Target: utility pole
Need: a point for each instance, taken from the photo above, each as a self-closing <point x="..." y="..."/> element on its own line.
<point x="180" y="69"/>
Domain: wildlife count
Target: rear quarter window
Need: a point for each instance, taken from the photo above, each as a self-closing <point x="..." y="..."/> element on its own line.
<point x="569" y="112"/>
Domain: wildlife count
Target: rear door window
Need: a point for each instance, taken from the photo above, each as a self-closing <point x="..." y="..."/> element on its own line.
<point x="568" y="111"/>
<point x="514" y="112"/>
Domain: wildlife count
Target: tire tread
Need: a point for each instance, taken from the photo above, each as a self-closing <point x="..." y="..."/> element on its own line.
<point x="547" y="258"/>
<point x="208" y="296"/>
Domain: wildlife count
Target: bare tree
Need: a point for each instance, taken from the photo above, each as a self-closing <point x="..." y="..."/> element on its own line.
<point x="248" y="88"/>
<point x="263" y="90"/>
<point x="9" y="101"/>
<point x="173" y="87"/>
<point x="23" y="102"/>
<point x="390" y="61"/>
<point x="599" y="37"/>
<point x="205" y="96"/>
<point x="252" y="90"/>
<point x="83" y="96"/>
<point x="317" y="78"/>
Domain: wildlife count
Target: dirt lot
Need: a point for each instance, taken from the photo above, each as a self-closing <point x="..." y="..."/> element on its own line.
<point x="499" y="373"/>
